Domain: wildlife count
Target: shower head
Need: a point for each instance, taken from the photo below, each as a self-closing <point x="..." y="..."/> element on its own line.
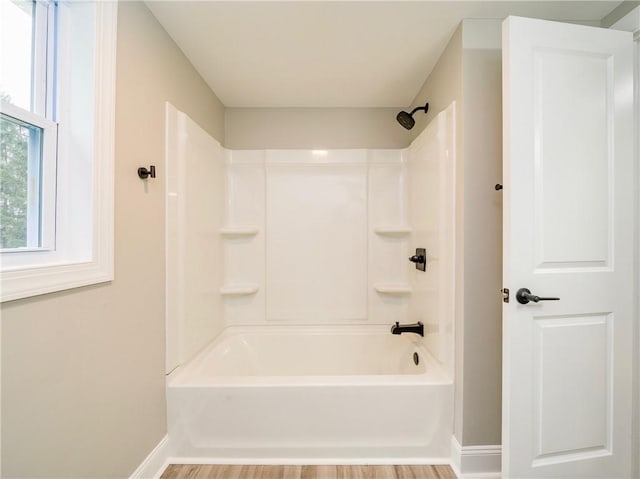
<point x="406" y="119"/>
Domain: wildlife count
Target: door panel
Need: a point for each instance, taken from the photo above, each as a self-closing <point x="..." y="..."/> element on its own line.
<point x="573" y="103"/>
<point x="572" y="384"/>
<point x="568" y="232"/>
<point x="573" y="109"/>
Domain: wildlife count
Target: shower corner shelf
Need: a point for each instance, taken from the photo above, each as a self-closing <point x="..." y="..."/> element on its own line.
<point x="239" y="231"/>
<point x="395" y="289"/>
<point x="392" y="230"/>
<point x="239" y="290"/>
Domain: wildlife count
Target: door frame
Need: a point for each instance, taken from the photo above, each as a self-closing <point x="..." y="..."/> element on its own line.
<point x="631" y="23"/>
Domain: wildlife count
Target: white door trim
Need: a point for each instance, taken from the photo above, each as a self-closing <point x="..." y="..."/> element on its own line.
<point x="631" y="23"/>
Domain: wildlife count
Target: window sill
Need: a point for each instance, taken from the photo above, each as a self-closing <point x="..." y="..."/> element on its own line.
<point x="25" y="283"/>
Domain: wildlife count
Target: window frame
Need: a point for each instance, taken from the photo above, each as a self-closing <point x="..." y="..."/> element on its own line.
<point x="59" y="269"/>
<point x="42" y="225"/>
<point x="43" y="62"/>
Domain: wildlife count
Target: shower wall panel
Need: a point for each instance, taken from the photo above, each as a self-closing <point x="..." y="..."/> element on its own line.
<point x="316" y="236"/>
<point x="244" y="238"/>
<point x="195" y="207"/>
<point x="388" y="240"/>
<point x="432" y="187"/>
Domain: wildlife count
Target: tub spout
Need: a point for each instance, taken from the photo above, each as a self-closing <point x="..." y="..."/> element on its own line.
<point x="417" y="328"/>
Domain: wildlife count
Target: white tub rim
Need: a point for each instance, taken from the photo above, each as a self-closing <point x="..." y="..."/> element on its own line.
<point x="434" y="373"/>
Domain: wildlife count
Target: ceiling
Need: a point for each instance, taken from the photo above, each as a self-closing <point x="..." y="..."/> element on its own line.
<point x="332" y="54"/>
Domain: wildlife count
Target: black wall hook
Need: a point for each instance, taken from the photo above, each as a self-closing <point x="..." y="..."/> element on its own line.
<point x="143" y="173"/>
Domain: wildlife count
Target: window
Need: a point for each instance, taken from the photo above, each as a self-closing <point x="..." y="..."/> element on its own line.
<point x="28" y="132"/>
<point x="57" y="65"/>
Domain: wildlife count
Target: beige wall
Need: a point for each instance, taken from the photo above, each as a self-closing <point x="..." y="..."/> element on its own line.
<point x="319" y="128"/>
<point x="442" y="86"/>
<point x="469" y="72"/>
<point x="482" y="342"/>
<point x="83" y="392"/>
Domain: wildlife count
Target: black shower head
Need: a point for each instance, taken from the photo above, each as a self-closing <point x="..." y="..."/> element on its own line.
<point x="406" y="119"/>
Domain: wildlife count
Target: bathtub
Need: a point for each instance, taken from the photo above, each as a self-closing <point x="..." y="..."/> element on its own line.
<point x="305" y="394"/>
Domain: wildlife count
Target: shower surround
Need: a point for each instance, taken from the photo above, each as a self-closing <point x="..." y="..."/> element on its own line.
<point x="280" y="261"/>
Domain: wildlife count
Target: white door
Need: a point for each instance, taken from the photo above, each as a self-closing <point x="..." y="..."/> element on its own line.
<point x="568" y="233"/>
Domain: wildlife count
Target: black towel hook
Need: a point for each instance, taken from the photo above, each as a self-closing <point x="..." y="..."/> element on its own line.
<point x="143" y="173"/>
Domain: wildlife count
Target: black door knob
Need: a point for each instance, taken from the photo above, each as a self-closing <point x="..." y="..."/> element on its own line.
<point x="418" y="259"/>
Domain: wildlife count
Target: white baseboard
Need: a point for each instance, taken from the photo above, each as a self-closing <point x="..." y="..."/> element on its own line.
<point x="469" y="462"/>
<point x="476" y="462"/>
<point x="155" y="463"/>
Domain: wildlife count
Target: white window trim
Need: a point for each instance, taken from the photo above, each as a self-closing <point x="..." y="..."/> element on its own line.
<point x="32" y="281"/>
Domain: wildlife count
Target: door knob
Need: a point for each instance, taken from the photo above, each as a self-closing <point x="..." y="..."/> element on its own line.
<point x="417" y="258"/>
<point x="420" y="259"/>
<point x="524" y="296"/>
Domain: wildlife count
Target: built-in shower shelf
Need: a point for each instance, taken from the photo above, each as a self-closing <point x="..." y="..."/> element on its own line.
<point x="239" y="231"/>
<point x="396" y="289"/>
<point x="392" y="230"/>
<point x="239" y="290"/>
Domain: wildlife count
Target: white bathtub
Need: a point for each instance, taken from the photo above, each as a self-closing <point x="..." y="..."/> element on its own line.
<point x="293" y="394"/>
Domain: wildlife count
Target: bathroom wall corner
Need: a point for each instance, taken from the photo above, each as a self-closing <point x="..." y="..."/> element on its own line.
<point x="155" y="463"/>
<point x="476" y="461"/>
<point x="469" y="72"/>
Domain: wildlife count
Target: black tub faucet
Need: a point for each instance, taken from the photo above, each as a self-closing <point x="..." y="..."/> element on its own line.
<point x="417" y="328"/>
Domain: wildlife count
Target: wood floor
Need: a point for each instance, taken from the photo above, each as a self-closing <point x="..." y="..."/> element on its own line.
<point x="188" y="471"/>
